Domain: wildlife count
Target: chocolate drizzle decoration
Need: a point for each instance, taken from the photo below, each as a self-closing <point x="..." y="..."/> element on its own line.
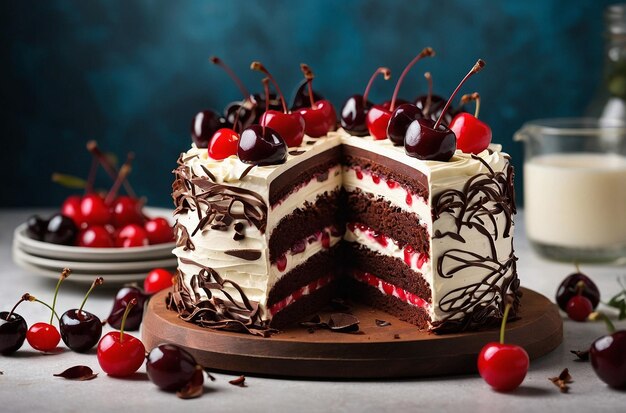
<point x="485" y="199"/>
<point x="202" y="306"/>
<point x="248" y="255"/>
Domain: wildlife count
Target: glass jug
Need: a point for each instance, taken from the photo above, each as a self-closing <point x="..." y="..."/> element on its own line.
<point x="575" y="188"/>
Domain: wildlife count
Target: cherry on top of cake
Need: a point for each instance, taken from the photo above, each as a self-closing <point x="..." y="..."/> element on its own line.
<point x="260" y="128"/>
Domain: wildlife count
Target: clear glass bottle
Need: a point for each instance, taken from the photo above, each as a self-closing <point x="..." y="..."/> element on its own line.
<point x="610" y="100"/>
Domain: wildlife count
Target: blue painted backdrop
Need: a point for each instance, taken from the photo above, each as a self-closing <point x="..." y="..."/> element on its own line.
<point x="131" y="74"/>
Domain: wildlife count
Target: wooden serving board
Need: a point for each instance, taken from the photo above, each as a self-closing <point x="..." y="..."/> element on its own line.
<point x="398" y="350"/>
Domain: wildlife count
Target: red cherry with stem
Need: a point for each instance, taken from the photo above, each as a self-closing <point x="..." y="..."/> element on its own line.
<point x="120" y="354"/>
<point x="159" y="231"/>
<point x="157" y="280"/>
<point x="320" y="117"/>
<point x="81" y="330"/>
<point x="354" y="110"/>
<point x="472" y="135"/>
<point x="131" y="235"/>
<point x="579" y="307"/>
<point x="126" y="210"/>
<point x="13" y="329"/>
<point x="429" y="140"/>
<point x="71" y="209"/>
<point x="503" y="366"/>
<point x="94" y="211"/>
<point x="608" y="355"/>
<point x="95" y="236"/>
<point x="290" y="126"/>
<point x="378" y="116"/>
<point x="223" y="144"/>
<point x="44" y="336"/>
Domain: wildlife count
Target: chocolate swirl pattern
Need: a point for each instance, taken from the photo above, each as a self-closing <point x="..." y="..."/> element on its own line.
<point x="485" y="200"/>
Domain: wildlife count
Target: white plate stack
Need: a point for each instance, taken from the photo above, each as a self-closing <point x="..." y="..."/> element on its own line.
<point x="115" y="265"/>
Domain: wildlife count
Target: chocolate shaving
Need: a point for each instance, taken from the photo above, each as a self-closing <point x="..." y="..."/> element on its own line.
<point x="583" y="355"/>
<point x="343" y="323"/>
<point x="208" y="173"/>
<point x="195" y="387"/>
<point x="382" y="323"/>
<point x="78" y="373"/>
<point x="562" y="381"/>
<point x="246" y="172"/>
<point x="296" y="153"/>
<point x="309" y="143"/>
<point x="239" y="381"/>
<point x="396" y="336"/>
<point x="314" y="323"/>
<point x="248" y="255"/>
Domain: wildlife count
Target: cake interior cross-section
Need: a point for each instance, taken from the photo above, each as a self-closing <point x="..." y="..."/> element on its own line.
<point x="262" y="247"/>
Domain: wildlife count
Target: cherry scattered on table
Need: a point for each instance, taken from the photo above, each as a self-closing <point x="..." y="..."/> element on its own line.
<point x="170" y="367"/>
<point x="81" y="330"/>
<point x="608" y="355"/>
<point x="45" y="336"/>
<point x="120" y="303"/>
<point x="503" y="366"/>
<point x="13" y="329"/>
<point x="120" y="354"/>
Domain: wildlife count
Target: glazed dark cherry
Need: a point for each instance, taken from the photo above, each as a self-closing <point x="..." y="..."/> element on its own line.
<point x="579" y="308"/>
<point x="36" y="227"/>
<point x="319" y="115"/>
<point x="301" y="96"/>
<point x="60" y="230"/>
<point x="425" y="141"/>
<point x="608" y="356"/>
<point x="203" y="125"/>
<point x="568" y="289"/>
<point x="355" y="108"/>
<point x="238" y="114"/>
<point x="378" y="117"/>
<point x="170" y="367"/>
<point x="261" y="145"/>
<point x="400" y="120"/>
<point x="13" y="329"/>
<point x="431" y="140"/>
<point x="122" y="298"/>
<point x="81" y="330"/>
<point x="262" y="103"/>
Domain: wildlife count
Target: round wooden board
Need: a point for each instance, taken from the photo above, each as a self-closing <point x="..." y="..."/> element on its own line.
<point x="398" y="350"/>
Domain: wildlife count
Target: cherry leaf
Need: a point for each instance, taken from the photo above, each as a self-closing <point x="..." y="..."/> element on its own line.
<point x="79" y="373"/>
<point x="239" y="381"/>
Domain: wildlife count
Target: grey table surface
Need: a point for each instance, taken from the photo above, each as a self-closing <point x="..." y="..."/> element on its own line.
<point x="27" y="382"/>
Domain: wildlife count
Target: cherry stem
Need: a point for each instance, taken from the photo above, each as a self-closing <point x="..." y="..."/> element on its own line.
<point x="427" y="52"/>
<point x="64" y="274"/>
<point x="386" y="75"/>
<point x="475" y="69"/>
<point x="580" y="287"/>
<point x="97" y="281"/>
<point x="266" y="89"/>
<point x="598" y="315"/>
<point x="429" y="97"/>
<point x="92" y="146"/>
<point x="308" y="75"/>
<point x="577" y="266"/>
<point x="24" y="298"/>
<point x="244" y="91"/>
<point x="92" y="175"/>
<point x="259" y="67"/>
<point x="472" y="97"/>
<point x="130" y="305"/>
<point x="121" y="177"/>
<point x="507" y="308"/>
<point x="32" y="298"/>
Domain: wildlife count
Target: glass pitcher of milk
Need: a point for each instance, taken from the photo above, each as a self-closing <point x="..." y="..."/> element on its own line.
<point x="575" y="188"/>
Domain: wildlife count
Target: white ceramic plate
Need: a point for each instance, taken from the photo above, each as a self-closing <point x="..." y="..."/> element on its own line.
<point x="64" y="252"/>
<point x="95" y="267"/>
<point x="109" y="279"/>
